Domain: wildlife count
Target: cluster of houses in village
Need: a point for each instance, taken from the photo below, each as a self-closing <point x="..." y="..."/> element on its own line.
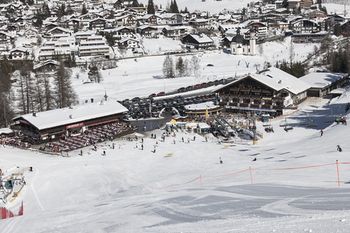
<point x="105" y="28"/>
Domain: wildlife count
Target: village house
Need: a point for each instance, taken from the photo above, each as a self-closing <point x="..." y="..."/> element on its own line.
<point x="20" y="54"/>
<point x="129" y="43"/>
<point x="305" y="26"/>
<point x="83" y="35"/>
<point x="125" y="20"/>
<point x="124" y="32"/>
<point x="172" y="19"/>
<point x="61" y="49"/>
<point x="259" y="28"/>
<point x="200" y="41"/>
<point x="175" y="31"/>
<point x="199" y="23"/>
<point x="148" y="31"/>
<point x="150" y="19"/>
<point x="46" y="67"/>
<point x="58" y="32"/>
<point x="97" y="24"/>
<point x="94" y="46"/>
<point x="309" y="37"/>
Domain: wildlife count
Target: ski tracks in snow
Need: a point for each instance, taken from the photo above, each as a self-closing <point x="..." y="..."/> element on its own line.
<point x="283" y="207"/>
<point x="34" y="191"/>
<point x="12" y="222"/>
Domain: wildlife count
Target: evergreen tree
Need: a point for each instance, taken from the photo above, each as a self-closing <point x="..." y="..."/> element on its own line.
<point x="5" y="73"/>
<point x="48" y="95"/>
<point x="150" y="7"/>
<point x="64" y="93"/>
<point x="45" y="11"/>
<point x="6" y="112"/>
<point x="180" y="67"/>
<point x="38" y="20"/>
<point x="135" y="3"/>
<point x="69" y="10"/>
<point x="168" y="67"/>
<point x="296" y="69"/>
<point x="61" y="10"/>
<point x="337" y="29"/>
<point x="110" y="39"/>
<point x="84" y="10"/>
<point x="173" y="7"/>
<point x="285" y="4"/>
<point x="111" y="15"/>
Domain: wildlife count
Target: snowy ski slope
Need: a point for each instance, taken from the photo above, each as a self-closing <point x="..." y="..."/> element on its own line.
<point x="292" y="187"/>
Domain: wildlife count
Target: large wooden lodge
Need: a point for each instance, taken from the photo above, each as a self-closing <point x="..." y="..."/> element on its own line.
<point x="54" y="124"/>
<point x="269" y="91"/>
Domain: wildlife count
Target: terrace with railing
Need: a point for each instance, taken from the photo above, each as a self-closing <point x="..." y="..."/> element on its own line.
<point x="89" y="137"/>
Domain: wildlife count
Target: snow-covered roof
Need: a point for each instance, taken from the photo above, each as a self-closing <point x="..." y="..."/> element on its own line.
<point x="60" y="29"/>
<point x="202" y="91"/>
<point x="66" y="116"/>
<point x="84" y="33"/>
<point x="321" y="80"/>
<point x="278" y="80"/>
<point x="43" y="63"/>
<point x="5" y="131"/>
<point x="202" y="38"/>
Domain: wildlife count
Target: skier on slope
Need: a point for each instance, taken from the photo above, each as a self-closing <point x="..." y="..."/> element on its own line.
<point x="339" y="149"/>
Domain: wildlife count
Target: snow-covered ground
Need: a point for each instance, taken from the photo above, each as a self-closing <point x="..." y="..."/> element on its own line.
<point x="136" y="77"/>
<point x="161" y="45"/>
<point x="212" y="6"/>
<point x="182" y="187"/>
<point x="333" y="8"/>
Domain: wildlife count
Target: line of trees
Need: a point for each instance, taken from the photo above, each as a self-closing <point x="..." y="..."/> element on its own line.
<point x="337" y="60"/>
<point x="173" y="8"/>
<point x="296" y="69"/>
<point x="181" y="67"/>
<point x="5" y="86"/>
<point x="23" y="91"/>
<point x="150" y="8"/>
